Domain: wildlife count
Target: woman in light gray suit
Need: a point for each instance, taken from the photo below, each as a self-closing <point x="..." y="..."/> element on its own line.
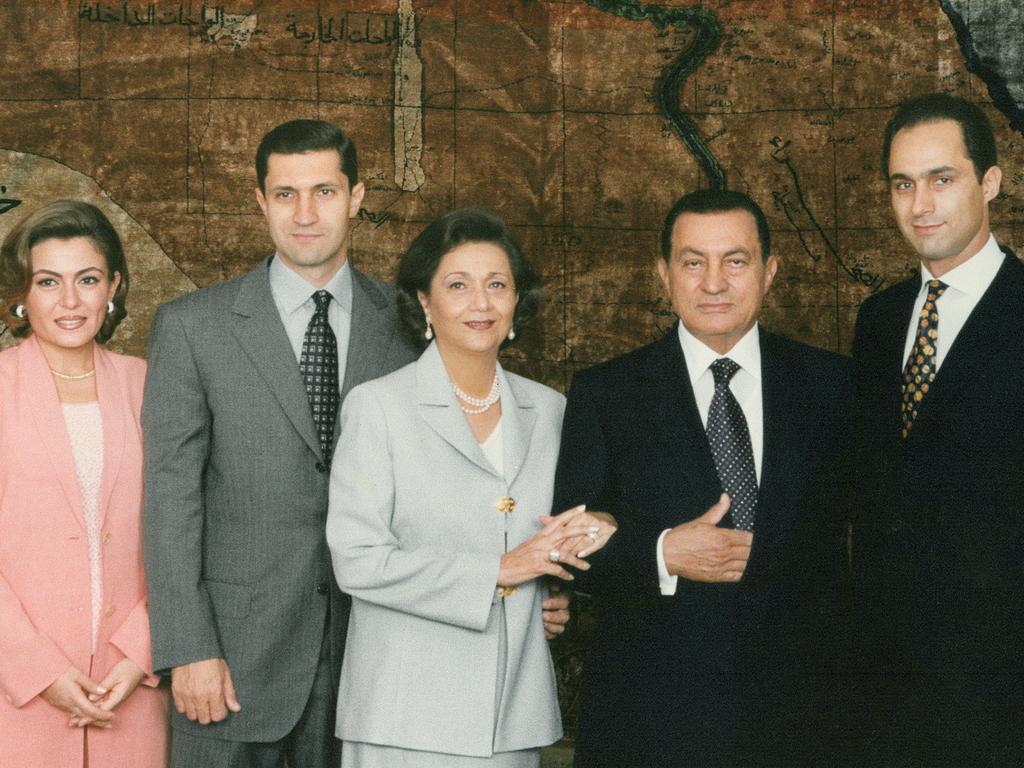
<point x="442" y="473"/>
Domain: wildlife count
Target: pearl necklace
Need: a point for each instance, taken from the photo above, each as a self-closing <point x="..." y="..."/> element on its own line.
<point x="69" y="377"/>
<point x="480" y="404"/>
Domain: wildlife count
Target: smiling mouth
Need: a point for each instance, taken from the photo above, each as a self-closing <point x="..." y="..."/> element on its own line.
<point x="480" y="325"/>
<point x="70" y="323"/>
<point x="722" y="307"/>
<point x="924" y="229"/>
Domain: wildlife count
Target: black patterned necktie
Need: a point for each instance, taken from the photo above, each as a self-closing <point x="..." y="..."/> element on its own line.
<point x="318" y="365"/>
<point x="919" y="372"/>
<point x="731" y="447"/>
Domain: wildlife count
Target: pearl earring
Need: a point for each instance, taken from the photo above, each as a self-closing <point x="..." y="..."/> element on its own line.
<point x="19" y="311"/>
<point x="110" y="307"/>
<point x="429" y="333"/>
<point x="511" y="334"/>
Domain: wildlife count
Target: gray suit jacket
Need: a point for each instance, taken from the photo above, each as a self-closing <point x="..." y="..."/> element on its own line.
<point x="416" y="535"/>
<point x="236" y="494"/>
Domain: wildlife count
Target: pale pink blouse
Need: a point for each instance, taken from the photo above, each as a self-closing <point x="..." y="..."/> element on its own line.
<point x="85" y="428"/>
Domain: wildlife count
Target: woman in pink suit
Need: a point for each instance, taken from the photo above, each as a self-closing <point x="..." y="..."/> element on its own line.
<point x="75" y="674"/>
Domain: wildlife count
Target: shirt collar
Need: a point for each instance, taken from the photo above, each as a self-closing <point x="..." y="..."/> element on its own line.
<point x="291" y="290"/>
<point x="746" y="353"/>
<point x="974" y="276"/>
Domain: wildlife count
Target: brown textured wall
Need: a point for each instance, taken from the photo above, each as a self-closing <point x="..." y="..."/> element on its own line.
<point x="545" y="111"/>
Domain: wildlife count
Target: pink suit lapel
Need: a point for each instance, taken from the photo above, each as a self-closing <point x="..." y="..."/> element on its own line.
<point x="113" y="400"/>
<point x="38" y="391"/>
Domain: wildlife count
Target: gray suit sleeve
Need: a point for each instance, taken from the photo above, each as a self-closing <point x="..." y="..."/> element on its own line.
<point x="176" y="429"/>
<point x="369" y="560"/>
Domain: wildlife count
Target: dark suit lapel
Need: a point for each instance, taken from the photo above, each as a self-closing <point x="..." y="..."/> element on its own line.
<point x="370" y="333"/>
<point x="891" y="351"/>
<point x="258" y="328"/>
<point x="980" y="339"/>
<point x="776" y="504"/>
<point x="674" y="410"/>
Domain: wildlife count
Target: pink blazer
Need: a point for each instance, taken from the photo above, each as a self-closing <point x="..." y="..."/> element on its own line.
<point x="45" y="615"/>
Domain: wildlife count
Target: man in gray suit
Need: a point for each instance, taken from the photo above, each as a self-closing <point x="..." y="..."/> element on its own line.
<point x="239" y="421"/>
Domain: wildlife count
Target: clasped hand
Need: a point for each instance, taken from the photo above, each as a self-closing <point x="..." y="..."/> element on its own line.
<point x="88" y="702"/>
<point x="700" y="551"/>
<point x="565" y="539"/>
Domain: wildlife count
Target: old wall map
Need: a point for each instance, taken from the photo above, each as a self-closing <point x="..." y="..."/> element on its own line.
<point x="558" y="114"/>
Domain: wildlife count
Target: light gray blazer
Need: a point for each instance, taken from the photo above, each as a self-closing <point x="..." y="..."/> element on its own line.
<point x="416" y="538"/>
<point x="236" y="494"/>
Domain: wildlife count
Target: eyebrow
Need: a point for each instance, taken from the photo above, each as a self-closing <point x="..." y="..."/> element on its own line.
<point x="290" y="188"/>
<point x="943" y="169"/>
<point x="79" y="273"/>
<point x="696" y="252"/>
<point x="466" y="274"/>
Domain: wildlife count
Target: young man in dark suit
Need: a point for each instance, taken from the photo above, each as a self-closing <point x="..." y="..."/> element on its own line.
<point x="938" y="537"/>
<point x="717" y="451"/>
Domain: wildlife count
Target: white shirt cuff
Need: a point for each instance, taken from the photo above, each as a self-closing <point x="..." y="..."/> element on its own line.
<point x="666" y="582"/>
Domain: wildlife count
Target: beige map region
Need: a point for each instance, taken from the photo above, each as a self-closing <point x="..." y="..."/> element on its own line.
<point x="543" y="110"/>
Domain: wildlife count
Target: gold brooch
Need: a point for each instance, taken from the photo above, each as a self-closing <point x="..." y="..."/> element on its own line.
<point x="506" y="504"/>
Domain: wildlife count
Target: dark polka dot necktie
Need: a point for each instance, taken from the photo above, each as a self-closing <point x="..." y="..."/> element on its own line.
<point x="318" y="365"/>
<point x="731" y="447"/>
<point x="919" y="372"/>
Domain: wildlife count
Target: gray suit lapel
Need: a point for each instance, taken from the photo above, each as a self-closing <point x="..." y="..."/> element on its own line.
<point x="257" y="327"/>
<point x="441" y="411"/>
<point x="370" y="333"/>
<point x="518" y="416"/>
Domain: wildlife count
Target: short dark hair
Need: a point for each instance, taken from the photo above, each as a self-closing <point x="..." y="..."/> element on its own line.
<point x="933" y="107"/>
<point x="419" y="263"/>
<point x="59" y="220"/>
<point x="299" y="136"/>
<point x="715" y="201"/>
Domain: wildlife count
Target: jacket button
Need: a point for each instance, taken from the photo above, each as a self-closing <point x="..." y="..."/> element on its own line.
<point x="506" y="505"/>
<point x="320" y="467"/>
<point x="109" y="611"/>
<point x="106" y="537"/>
<point x="323" y="588"/>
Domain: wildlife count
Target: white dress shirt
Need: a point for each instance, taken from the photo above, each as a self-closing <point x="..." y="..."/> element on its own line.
<point x="293" y="296"/>
<point x="746" y="388"/>
<point x="494" y="449"/>
<point x="967" y="284"/>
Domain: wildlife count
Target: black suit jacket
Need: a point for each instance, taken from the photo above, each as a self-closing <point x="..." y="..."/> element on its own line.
<point x="939" y="541"/>
<point x="709" y="676"/>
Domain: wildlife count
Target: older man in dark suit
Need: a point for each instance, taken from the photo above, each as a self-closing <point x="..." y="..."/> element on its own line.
<point x="939" y="541"/>
<point x="717" y="450"/>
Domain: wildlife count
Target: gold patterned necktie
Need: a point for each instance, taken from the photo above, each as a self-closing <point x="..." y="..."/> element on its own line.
<point x="919" y="372"/>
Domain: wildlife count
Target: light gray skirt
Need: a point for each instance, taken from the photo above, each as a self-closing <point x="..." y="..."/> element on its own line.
<point x="356" y="754"/>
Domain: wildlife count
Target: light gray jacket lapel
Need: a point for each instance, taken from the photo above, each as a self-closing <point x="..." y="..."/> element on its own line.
<point x="260" y="332"/>
<point x="518" y="415"/>
<point x="440" y="409"/>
